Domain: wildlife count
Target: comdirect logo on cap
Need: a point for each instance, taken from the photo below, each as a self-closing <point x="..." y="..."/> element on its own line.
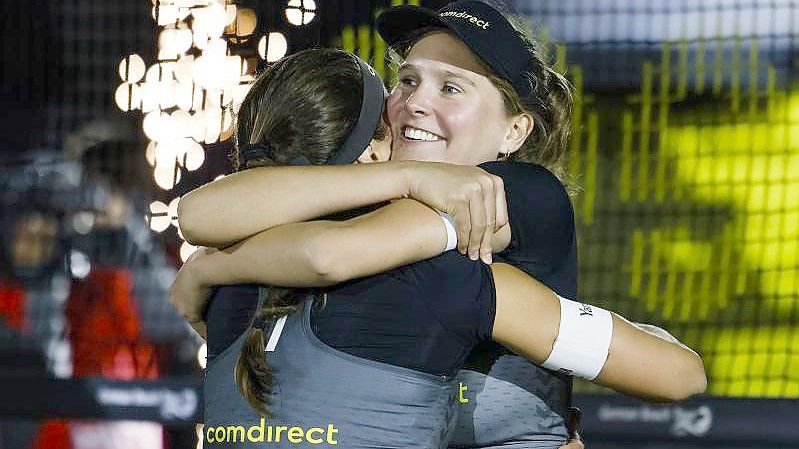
<point x="484" y="24"/>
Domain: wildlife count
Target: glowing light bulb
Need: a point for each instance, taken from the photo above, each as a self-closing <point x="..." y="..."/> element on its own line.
<point x="132" y="68"/>
<point x="128" y="97"/>
<point x="158" y="219"/>
<point x="153" y="125"/>
<point x="181" y="122"/>
<point x="173" y="211"/>
<point x="273" y="47"/>
<point x="186" y="250"/>
<point x="194" y="156"/>
<point x="210" y="20"/>
<point x="213" y="124"/>
<point x="149" y="153"/>
<point x="300" y="12"/>
<point x="166" y="175"/>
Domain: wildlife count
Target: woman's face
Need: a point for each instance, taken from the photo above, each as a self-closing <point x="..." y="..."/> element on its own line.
<point x="444" y="108"/>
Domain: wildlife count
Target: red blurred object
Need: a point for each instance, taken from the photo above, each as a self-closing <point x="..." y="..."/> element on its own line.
<point x="105" y="333"/>
<point x="53" y="435"/>
<point x="105" y="328"/>
<point x="12" y="305"/>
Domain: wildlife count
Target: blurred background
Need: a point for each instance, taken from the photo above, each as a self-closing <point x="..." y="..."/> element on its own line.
<point x="686" y="154"/>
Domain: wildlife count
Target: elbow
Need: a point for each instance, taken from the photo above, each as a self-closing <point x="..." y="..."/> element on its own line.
<point x="695" y="377"/>
<point x="323" y="261"/>
<point x="690" y="381"/>
<point x="191" y="222"/>
<point x="187" y="220"/>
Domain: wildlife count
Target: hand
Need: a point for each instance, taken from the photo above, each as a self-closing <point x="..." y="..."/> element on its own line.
<point x="573" y="426"/>
<point x="189" y="295"/>
<point x="472" y="196"/>
<point x="574" y="443"/>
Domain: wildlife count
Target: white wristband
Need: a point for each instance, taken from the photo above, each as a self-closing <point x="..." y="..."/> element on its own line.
<point x="452" y="236"/>
<point x="583" y="341"/>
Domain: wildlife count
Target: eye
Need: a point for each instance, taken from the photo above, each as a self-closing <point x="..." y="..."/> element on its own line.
<point x="408" y="81"/>
<point x="451" y="89"/>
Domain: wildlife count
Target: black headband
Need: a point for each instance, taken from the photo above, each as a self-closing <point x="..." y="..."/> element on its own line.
<point x="261" y="150"/>
<point x="374" y="98"/>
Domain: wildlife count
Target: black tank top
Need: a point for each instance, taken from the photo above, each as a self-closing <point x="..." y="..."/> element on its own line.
<point x="425" y="316"/>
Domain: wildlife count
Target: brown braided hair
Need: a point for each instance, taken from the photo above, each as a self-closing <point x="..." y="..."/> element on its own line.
<point x="305" y="104"/>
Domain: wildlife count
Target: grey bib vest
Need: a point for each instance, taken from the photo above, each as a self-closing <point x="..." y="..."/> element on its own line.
<point x="325" y="398"/>
<point x="517" y="405"/>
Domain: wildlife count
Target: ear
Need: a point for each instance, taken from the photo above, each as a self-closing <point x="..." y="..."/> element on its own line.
<point x="519" y="128"/>
<point x="381" y="150"/>
<point x="366" y="156"/>
<point x="377" y="151"/>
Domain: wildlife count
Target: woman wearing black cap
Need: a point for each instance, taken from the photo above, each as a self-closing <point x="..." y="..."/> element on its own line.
<point x="553" y="257"/>
<point x="485" y="64"/>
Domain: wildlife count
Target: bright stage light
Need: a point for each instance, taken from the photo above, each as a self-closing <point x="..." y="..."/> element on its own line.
<point x="273" y="47"/>
<point x="301" y="12"/>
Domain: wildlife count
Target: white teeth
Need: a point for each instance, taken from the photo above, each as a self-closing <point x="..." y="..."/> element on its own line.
<point x="418" y="134"/>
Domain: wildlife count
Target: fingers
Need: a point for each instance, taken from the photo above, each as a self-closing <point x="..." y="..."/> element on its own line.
<point x="189" y="299"/>
<point x="573" y="444"/>
<point x="463" y="224"/>
<point x="486" y="211"/>
<point x="573" y="421"/>
<point x="487" y="240"/>
<point x="477" y="212"/>
<point x="500" y="201"/>
<point x="573" y="425"/>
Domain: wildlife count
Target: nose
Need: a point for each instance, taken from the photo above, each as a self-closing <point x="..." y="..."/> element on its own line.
<point x="418" y="102"/>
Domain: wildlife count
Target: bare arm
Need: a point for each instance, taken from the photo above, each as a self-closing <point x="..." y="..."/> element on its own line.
<point x="310" y="254"/>
<point x="639" y="363"/>
<point x="243" y="204"/>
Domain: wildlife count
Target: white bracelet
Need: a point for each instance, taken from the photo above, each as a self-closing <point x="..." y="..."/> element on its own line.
<point x="452" y="236"/>
<point x="583" y="341"/>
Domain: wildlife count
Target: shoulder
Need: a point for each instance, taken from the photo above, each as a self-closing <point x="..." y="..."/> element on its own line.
<point x="532" y="191"/>
<point x="540" y="213"/>
<point x="521" y="173"/>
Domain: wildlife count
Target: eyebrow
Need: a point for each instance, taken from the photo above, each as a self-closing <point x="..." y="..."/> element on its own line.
<point x="442" y="72"/>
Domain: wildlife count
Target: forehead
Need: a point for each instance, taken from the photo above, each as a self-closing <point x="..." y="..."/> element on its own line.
<point x="444" y="47"/>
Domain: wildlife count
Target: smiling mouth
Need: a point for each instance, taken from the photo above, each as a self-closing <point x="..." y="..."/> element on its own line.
<point x="419" y="135"/>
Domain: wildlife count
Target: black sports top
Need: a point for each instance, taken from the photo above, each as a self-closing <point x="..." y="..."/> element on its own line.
<point x="423" y="316"/>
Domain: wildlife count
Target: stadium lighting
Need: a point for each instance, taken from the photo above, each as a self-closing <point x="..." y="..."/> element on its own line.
<point x="273" y="47"/>
<point x="300" y="12"/>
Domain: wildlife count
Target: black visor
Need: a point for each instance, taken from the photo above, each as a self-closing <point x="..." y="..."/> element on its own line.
<point x="481" y="27"/>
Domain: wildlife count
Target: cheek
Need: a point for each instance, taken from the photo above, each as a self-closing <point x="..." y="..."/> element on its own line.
<point x="477" y="134"/>
<point x="394" y="105"/>
<point x="467" y="123"/>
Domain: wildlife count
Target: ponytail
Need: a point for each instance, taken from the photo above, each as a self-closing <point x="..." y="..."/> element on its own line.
<point x="252" y="372"/>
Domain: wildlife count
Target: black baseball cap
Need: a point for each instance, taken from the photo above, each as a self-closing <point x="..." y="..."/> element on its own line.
<point x="479" y="25"/>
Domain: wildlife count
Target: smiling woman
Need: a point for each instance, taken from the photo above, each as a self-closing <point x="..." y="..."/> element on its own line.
<point x="444" y="91"/>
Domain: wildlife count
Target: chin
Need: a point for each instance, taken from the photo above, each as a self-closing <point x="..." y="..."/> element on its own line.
<point x="417" y="152"/>
<point x="416" y="155"/>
